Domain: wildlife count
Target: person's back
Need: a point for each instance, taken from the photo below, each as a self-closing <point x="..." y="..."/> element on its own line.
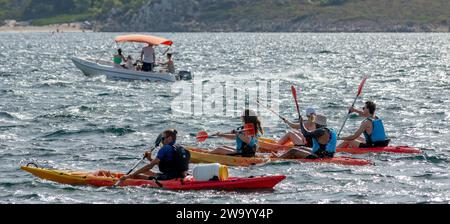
<point x="148" y="53"/>
<point x="129" y="64"/>
<point x="148" y="58"/>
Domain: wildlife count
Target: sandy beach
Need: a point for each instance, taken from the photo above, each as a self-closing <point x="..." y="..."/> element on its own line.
<point x="72" y="27"/>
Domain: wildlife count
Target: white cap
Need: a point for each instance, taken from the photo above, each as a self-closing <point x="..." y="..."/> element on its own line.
<point x="310" y="111"/>
<point x="251" y="113"/>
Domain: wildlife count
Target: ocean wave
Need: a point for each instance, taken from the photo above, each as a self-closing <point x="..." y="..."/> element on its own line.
<point x="435" y="159"/>
<point x="7" y="115"/>
<point x="118" y="131"/>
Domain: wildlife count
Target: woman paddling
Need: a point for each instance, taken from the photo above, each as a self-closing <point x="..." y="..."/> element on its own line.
<point x="323" y="142"/>
<point x="246" y="145"/>
<point x="296" y="135"/>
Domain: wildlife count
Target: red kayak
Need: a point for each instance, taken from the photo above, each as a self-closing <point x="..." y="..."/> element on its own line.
<point x="391" y="149"/>
<point x="232" y="183"/>
<point x="342" y="160"/>
<point x="270" y="145"/>
<point x="107" y="178"/>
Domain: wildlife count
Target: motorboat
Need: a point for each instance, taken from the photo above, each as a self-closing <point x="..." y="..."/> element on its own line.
<point x="91" y="66"/>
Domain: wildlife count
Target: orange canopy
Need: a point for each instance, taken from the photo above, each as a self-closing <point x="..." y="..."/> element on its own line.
<point x="144" y="39"/>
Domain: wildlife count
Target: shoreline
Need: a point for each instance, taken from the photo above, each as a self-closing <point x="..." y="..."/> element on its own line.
<point x="57" y="28"/>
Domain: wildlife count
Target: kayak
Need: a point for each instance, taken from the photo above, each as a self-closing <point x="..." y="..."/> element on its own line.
<point x="270" y="145"/>
<point x="391" y="149"/>
<point x="188" y="183"/>
<point x="203" y="156"/>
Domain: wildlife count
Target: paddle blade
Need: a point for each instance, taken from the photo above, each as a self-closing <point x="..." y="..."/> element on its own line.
<point x="294" y="92"/>
<point x="202" y="136"/>
<point x="361" y="85"/>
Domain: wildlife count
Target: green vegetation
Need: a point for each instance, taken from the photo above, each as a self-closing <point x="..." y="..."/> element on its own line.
<point x="222" y="12"/>
<point x="60" y="11"/>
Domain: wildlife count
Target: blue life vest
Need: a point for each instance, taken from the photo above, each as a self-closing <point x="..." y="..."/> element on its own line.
<point x="378" y="132"/>
<point x="330" y="146"/>
<point x="242" y="146"/>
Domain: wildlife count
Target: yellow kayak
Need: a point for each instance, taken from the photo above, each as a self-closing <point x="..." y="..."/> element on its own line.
<point x="203" y="156"/>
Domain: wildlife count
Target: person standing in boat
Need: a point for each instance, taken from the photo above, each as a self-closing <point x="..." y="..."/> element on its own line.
<point x="118" y="59"/>
<point x="372" y="128"/>
<point x="148" y="58"/>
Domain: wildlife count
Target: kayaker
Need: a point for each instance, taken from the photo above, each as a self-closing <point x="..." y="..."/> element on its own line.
<point x="246" y="145"/>
<point x="118" y="59"/>
<point x="172" y="160"/>
<point x="372" y="128"/>
<point x="296" y="135"/>
<point x="148" y="58"/>
<point x="323" y="142"/>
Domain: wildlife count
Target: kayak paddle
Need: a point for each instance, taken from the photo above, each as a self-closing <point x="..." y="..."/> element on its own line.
<point x="157" y="142"/>
<point x="294" y="94"/>
<point x="361" y="85"/>
<point x="248" y="129"/>
<point x="281" y="117"/>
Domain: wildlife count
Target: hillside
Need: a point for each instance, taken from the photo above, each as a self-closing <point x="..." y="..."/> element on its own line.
<point x="239" y="15"/>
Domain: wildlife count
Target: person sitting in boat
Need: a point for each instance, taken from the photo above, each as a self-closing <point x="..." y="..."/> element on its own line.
<point x="129" y="64"/>
<point x="246" y="145"/>
<point x="118" y="59"/>
<point x="148" y="58"/>
<point x="324" y="141"/>
<point x="169" y="65"/>
<point x="172" y="160"/>
<point x="372" y="127"/>
<point x="296" y="135"/>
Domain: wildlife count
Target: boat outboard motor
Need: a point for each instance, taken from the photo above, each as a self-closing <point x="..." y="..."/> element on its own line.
<point x="184" y="75"/>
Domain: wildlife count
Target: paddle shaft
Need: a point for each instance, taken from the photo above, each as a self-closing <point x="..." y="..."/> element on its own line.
<point x="281" y="117"/>
<point x="349" y="112"/>
<point x="134" y="167"/>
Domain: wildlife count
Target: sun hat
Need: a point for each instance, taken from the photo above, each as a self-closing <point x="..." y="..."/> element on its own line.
<point x="321" y="120"/>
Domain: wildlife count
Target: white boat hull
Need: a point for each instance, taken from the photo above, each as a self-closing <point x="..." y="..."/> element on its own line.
<point x="90" y="67"/>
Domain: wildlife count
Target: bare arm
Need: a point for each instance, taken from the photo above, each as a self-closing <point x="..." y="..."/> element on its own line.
<point x="357" y="133"/>
<point x="146" y="167"/>
<point x="291" y="124"/>
<point x="227" y="136"/>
